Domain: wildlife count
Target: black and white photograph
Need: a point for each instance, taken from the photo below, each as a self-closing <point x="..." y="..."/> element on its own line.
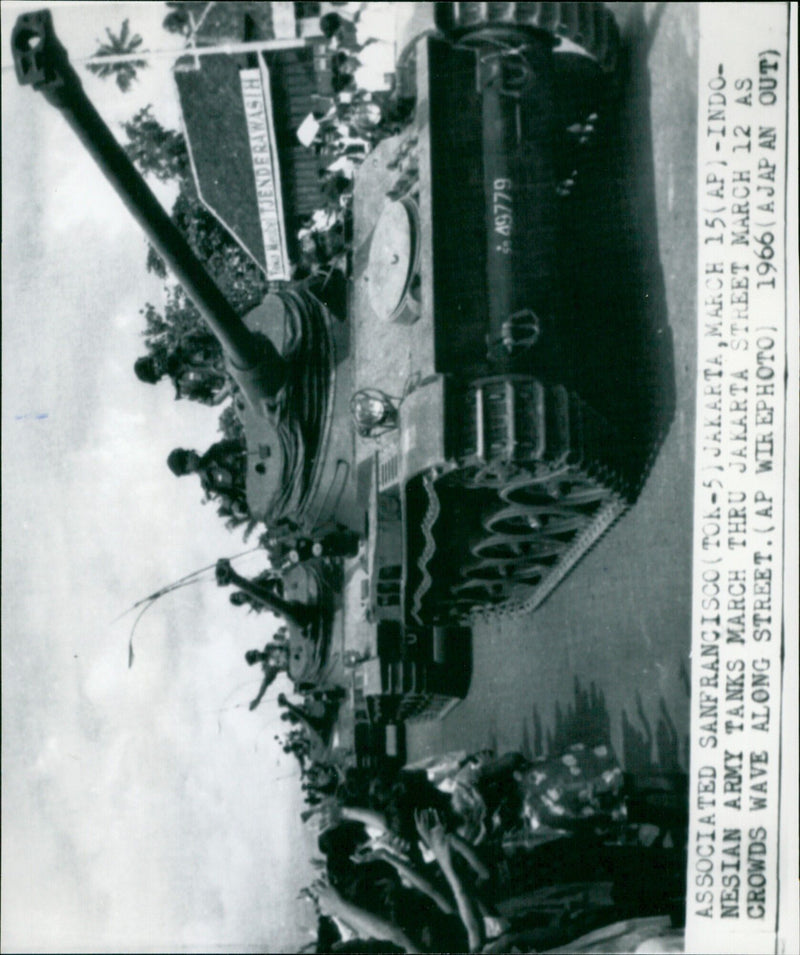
<point x="400" y="467"/>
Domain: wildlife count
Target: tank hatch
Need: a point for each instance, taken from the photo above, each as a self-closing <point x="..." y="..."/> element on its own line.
<point x="393" y="262"/>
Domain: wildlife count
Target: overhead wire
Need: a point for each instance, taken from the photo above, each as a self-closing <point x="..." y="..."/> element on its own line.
<point x="146" y="603"/>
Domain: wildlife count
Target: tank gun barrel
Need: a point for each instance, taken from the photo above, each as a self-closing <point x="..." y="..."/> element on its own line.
<point x="42" y="62"/>
<point x="296" y="614"/>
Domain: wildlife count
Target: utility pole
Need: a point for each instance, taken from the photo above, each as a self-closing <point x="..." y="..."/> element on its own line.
<point x="252" y="46"/>
<point x="230" y="49"/>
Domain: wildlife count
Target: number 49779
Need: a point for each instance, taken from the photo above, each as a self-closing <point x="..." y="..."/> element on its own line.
<point x="502" y="207"/>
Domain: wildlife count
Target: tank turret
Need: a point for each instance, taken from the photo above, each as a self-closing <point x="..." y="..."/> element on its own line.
<point x="280" y="355"/>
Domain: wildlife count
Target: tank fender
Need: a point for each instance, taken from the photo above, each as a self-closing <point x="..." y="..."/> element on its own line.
<point x="422" y="428"/>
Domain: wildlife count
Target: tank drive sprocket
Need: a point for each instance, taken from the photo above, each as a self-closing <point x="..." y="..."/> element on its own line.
<point x="589" y="26"/>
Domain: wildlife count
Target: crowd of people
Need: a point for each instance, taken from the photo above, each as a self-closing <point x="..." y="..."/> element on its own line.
<point x="496" y="854"/>
<point x="347" y="125"/>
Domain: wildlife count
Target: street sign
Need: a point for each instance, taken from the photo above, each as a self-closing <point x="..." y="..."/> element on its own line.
<point x="266" y="168"/>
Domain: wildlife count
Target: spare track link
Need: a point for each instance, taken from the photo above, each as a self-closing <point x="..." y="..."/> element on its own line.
<point x="556" y="479"/>
<point x="589" y="25"/>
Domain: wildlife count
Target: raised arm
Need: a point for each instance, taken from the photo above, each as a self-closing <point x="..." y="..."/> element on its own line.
<point x="408" y="875"/>
<point x="433" y="834"/>
<point x="375" y="820"/>
<point x="369" y="817"/>
<point x="363" y="923"/>
<point x="269" y="677"/>
<point x="465" y="850"/>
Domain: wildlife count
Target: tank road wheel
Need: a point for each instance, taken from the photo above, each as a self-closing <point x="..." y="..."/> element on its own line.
<point x="491" y="570"/>
<point x="577" y="492"/>
<point x="501" y="573"/>
<point x="589" y="26"/>
<point x="535" y="476"/>
<point x="474" y="593"/>
<point x="492" y="476"/>
<point x="538" y="520"/>
<point x="493" y="580"/>
<point x="564" y="491"/>
<point x="517" y="549"/>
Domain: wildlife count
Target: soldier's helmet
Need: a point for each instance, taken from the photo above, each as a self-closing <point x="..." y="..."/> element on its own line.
<point x="181" y="461"/>
<point x="147" y="370"/>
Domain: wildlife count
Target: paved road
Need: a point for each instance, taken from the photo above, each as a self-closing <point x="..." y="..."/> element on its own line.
<point x="607" y="655"/>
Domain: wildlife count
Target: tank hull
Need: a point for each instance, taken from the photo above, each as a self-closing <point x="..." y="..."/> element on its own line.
<point x="502" y="475"/>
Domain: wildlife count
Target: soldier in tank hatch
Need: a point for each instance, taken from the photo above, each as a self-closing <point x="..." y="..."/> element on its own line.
<point x="274" y="659"/>
<point x="195" y="370"/>
<point x="268" y="582"/>
<point x="221" y="469"/>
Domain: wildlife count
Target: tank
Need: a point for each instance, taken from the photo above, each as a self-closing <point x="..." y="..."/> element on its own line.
<point x="429" y="457"/>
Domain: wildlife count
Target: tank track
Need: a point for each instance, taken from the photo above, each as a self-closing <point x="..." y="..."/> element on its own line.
<point x="588" y="25"/>
<point x="411" y="692"/>
<point x="552" y="478"/>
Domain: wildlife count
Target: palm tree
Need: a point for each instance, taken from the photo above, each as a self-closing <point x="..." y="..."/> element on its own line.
<point x="124" y="44"/>
<point x="120" y="56"/>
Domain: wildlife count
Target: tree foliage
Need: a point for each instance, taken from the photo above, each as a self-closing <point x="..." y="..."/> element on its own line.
<point x="179" y="323"/>
<point x="218" y="22"/>
<point x="155" y="150"/>
<point x="177" y="20"/>
<point x="162" y="153"/>
<point x="121" y="44"/>
<point x="155" y="263"/>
